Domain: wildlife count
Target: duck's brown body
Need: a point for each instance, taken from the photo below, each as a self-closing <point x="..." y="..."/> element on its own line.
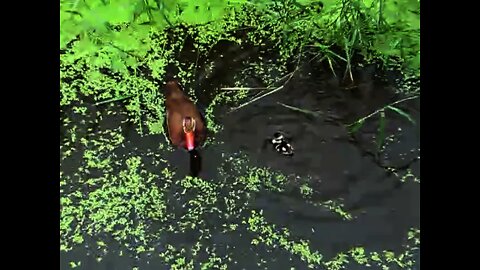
<point x="179" y="107"/>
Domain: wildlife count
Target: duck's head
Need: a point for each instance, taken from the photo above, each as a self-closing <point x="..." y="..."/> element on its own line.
<point x="173" y="89"/>
<point x="189" y="132"/>
<point x="277" y="138"/>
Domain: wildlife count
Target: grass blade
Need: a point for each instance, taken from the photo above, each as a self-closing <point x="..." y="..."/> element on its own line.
<point x="245" y="88"/>
<point x="308" y="112"/>
<point x="257" y="98"/>
<point x="357" y="125"/>
<point x="381" y="130"/>
<point x="402" y="113"/>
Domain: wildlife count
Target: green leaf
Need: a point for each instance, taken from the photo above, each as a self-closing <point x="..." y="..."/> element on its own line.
<point x="118" y="65"/>
<point x="119" y="12"/>
<point x="194" y="15"/>
<point x="329" y="4"/>
<point x="75" y="264"/>
<point x="402" y="113"/>
<point x="203" y="12"/>
<point x="357" y="125"/>
<point x="85" y="47"/>
<point x="414" y="62"/>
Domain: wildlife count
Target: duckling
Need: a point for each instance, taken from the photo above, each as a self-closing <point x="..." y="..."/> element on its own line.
<point x="281" y="144"/>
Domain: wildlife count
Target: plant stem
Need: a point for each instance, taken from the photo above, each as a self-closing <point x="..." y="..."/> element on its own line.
<point x="383" y="108"/>
<point x="244" y="88"/>
<point x="255" y="99"/>
<point x="380" y="14"/>
<point x="289" y="75"/>
<point x="293" y="108"/>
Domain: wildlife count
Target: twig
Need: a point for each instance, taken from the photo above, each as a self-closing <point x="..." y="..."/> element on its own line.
<point x="282" y="78"/>
<point x="313" y="113"/>
<point x="289" y="75"/>
<point x="255" y="99"/>
<point x="268" y="93"/>
<point x="244" y="88"/>
<point x="383" y="108"/>
<point x="317" y="55"/>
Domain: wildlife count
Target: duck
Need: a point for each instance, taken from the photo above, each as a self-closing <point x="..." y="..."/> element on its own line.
<point x="185" y="125"/>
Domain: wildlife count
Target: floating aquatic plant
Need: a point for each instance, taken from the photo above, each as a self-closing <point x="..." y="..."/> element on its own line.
<point x="114" y="59"/>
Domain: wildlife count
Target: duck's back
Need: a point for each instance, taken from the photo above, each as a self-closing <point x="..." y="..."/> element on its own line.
<point x="178" y="107"/>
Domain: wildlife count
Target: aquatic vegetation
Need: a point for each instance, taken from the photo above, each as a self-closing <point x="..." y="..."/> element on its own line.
<point x="269" y="235"/>
<point x="115" y="56"/>
<point x="110" y="205"/>
<point x="381" y="135"/>
<point x="335" y="207"/>
<point x="405" y="176"/>
<point x="306" y="190"/>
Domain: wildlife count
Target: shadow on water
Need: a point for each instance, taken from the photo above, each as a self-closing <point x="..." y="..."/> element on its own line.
<point x="195" y="163"/>
<point x="340" y="165"/>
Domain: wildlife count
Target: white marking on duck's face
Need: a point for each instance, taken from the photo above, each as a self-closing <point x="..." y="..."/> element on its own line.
<point x="188" y="124"/>
<point x="277" y="138"/>
<point x="276" y="141"/>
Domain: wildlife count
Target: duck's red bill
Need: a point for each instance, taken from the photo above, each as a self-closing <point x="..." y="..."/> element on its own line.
<point x="190" y="141"/>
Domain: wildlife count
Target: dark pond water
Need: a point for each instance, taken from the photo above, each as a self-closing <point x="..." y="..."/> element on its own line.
<point x="340" y="166"/>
